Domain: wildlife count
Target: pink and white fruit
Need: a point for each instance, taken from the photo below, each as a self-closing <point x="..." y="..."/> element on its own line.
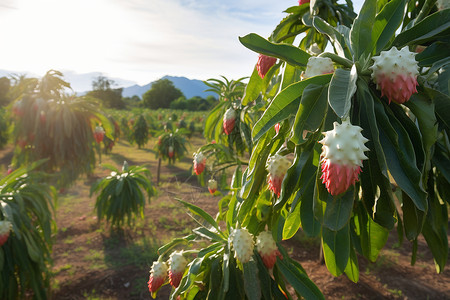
<point x="318" y="66"/>
<point x="277" y="166"/>
<point x="199" y="163"/>
<point x="99" y="134"/>
<point x="229" y="118"/>
<point x="395" y="74"/>
<point x="158" y="275"/>
<point x="212" y="186"/>
<point x="5" y="228"/>
<point x="177" y="264"/>
<point x="267" y="249"/>
<point x="242" y="242"/>
<point x="170" y="151"/>
<point x="277" y="127"/>
<point x="264" y="64"/>
<point x="342" y="155"/>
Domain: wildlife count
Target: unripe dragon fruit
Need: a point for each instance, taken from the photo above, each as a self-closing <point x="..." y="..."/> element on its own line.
<point x="342" y="154"/>
<point x="99" y="133"/>
<point x="277" y="127"/>
<point x="267" y="249"/>
<point x="158" y="275"/>
<point x="395" y="74"/>
<point x="277" y="166"/>
<point x="229" y="118"/>
<point x="5" y="228"/>
<point x="212" y="186"/>
<point x="199" y="163"/>
<point x="242" y="242"/>
<point x="170" y="151"/>
<point x="177" y="264"/>
<point x="318" y="66"/>
<point x="264" y="64"/>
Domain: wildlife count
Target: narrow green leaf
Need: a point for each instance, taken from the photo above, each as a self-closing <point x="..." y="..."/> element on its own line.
<point x="426" y="30"/>
<point x="352" y="269"/>
<point x="278" y="108"/>
<point x="339" y="209"/>
<point x="311" y="111"/>
<point x="335" y="36"/>
<point x="299" y="281"/>
<point x="252" y="285"/>
<point x="361" y="30"/>
<point x="342" y="88"/>
<point x="413" y="218"/>
<point x="386" y="23"/>
<point x="432" y="54"/>
<point x="293" y="223"/>
<point x="336" y="249"/>
<point x="288" y="53"/>
<point x="201" y="213"/>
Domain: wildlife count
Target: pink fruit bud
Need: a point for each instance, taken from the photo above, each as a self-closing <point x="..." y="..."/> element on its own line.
<point x="99" y="134"/>
<point x="229" y="119"/>
<point x="277" y="167"/>
<point x="264" y="64"/>
<point x="158" y="275"/>
<point x="199" y="163"/>
<point x="212" y="186"/>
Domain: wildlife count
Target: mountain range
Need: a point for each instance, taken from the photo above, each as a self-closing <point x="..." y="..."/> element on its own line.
<point x="82" y="83"/>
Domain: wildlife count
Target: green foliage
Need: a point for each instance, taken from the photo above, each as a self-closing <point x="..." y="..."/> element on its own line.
<point x="171" y="145"/>
<point x="27" y="203"/>
<point x="407" y="163"/>
<point x="140" y="132"/>
<point x="193" y="104"/>
<point x="103" y="91"/>
<point x="4" y="128"/>
<point x="49" y="124"/>
<point x="121" y="195"/>
<point x="5" y="85"/>
<point x="161" y="94"/>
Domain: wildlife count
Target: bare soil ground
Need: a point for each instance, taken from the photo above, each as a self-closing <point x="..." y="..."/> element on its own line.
<point x="93" y="262"/>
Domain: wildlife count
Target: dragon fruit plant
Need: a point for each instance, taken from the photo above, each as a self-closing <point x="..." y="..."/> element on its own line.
<point x="365" y="137"/>
<point x="49" y="124"/>
<point x="171" y="145"/>
<point x="122" y="195"/>
<point x="26" y="229"/>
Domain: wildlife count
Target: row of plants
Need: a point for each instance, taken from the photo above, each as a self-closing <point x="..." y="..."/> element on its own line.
<point x="345" y="145"/>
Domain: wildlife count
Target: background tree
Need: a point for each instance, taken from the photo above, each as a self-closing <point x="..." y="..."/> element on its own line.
<point x="5" y="85"/>
<point x="140" y="132"/>
<point x="161" y="94"/>
<point x="102" y="90"/>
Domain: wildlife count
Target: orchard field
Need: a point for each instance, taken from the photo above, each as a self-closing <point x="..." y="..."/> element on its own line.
<point x="323" y="175"/>
<point x="90" y="261"/>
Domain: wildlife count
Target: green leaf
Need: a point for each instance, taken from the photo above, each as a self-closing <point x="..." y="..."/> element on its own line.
<point x="433" y="53"/>
<point x="256" y="85"/>
<point x="413" y="218"/>
<point x="400" y="156"/>
<point x="342" y="88"/>
<point x="309" y="223"/>
<point x="426" y="30"/>
<point x="362" y="30"/>
<point x="311" y="112"/>
<point x="352" y="269"/>
<point x="335" y="36"/>
<point x="298" y="280"/>
<point x="283" y="104"/>
<point x="339" y="209"/>
<point x="288" y="53"/>
<point x="201" y="213"/>
<point x="251" y="280"/>
<point x="336" y="249"/>
<point x="372" y="236"/>
<point x="386" y="23"/>
<point x="293" y="222"/>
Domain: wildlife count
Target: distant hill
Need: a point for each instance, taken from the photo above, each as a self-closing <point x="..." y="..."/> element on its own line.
<point x="189" y="87"/>
<point x="81" y="83"/>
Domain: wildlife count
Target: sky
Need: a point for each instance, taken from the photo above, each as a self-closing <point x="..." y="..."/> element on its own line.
<point x="137" y="40"/>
